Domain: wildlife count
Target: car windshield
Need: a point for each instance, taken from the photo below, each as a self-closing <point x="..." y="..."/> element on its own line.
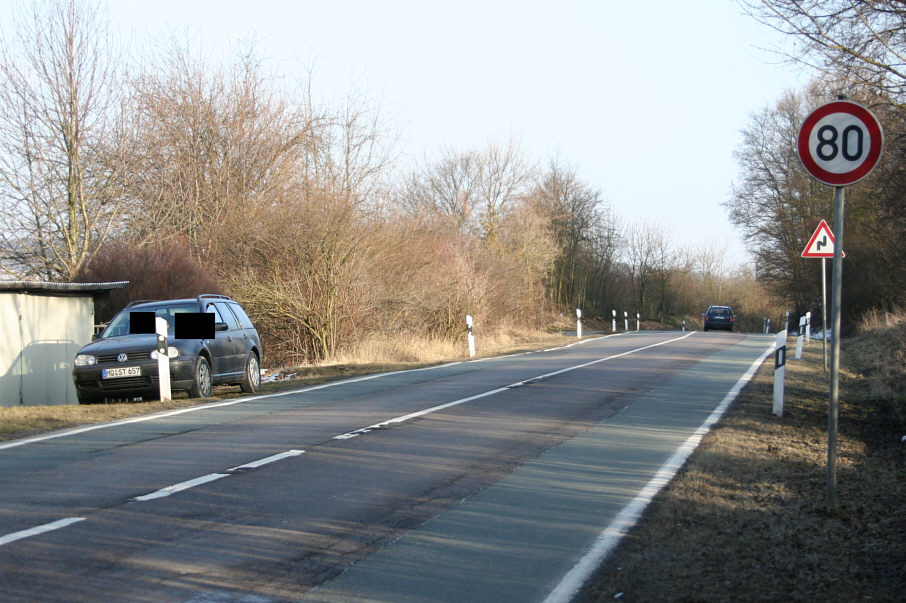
<point x="119" y="326"/>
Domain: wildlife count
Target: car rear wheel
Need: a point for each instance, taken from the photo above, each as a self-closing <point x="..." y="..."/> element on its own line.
<point x="202" y="386"/>
<point x="251" y="381"/>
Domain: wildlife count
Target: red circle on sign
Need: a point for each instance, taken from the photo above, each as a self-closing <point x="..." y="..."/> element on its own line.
<point x="872" y="127"/>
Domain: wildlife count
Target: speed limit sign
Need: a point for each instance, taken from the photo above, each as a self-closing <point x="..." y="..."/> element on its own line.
<point x="840" y="143"/>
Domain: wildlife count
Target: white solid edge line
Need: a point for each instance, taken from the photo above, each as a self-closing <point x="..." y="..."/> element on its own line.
<point x="624" y="521"/>
<point x="171" y="413"/>
<point x="198" y="481"/>
<point x="47" y="527"/>
<point x="427" y="411"/>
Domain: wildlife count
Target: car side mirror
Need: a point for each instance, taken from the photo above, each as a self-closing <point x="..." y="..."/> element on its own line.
<point x="221" y="326"/>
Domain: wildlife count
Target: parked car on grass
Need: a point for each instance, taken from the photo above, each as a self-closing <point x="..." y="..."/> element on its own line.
<point x="719" y="317"/>
<point x="118" y="365"/>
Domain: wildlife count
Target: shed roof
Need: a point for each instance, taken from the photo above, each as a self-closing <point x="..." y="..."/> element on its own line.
<point x="58" y="288"/>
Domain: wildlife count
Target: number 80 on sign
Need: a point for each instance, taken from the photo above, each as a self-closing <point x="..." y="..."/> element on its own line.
<point x="840" y="142"/>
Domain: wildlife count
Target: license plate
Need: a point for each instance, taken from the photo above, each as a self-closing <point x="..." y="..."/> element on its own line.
<point x="125" y="371"/>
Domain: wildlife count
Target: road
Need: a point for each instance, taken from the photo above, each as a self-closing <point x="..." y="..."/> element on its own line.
<point x="484" y="480"/>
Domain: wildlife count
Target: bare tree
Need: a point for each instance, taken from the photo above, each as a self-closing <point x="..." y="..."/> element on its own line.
<point x="472" y="189"/>
<point x="576" y="213"/>
<point x="216" y="144"/>
<point x="649" y="255"/>
<point x="775" y="203"/>
<point x="863" y="41"/>
<point x="349" y="147"/>
<point x="502" y="184"/>
<point x="710" y="262"/>
<point x="62" y="163"/>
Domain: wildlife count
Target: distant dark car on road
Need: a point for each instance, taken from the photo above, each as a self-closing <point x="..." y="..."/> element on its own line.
<point x="719" y="317"/>
<point x="118" y="365"/>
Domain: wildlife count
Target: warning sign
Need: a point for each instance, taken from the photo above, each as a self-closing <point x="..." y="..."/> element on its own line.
<point x="821" y="245"/>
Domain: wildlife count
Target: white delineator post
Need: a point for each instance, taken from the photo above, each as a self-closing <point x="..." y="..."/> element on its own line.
<point x="163" y="359"/>
<point x="799" y="338"/>
<point x="779" y="372"/>
<point x="471" y="336"/>
<point x="625" y="320"/>
<point x="578" y="323"/>
<point x="808" y="327"/>
<point x="638" y="322"/>
<point x="614" y="326"/>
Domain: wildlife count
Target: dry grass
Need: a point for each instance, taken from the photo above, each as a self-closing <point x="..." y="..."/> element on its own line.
<point x="883" y="363"/>
<point x="24" y="421"/>
<point x="747" y="517"/>
<point x="415" y="350"/>
<point x="374" y="356"/>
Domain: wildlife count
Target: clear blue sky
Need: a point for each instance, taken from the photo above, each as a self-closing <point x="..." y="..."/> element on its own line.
<point x="645" y="100"/>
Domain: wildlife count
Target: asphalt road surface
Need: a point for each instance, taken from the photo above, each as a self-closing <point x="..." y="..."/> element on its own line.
<point x="503" y="479"/>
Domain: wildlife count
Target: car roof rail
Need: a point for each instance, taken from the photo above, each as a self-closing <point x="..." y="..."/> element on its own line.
<point x="204" y="296"/>
<point x="139" y="301"/>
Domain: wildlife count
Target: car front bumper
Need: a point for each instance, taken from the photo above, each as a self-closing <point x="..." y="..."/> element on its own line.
<point x="91" y="385"/>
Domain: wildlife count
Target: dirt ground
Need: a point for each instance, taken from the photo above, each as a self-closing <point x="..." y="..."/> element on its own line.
<point x="747" y="519"/>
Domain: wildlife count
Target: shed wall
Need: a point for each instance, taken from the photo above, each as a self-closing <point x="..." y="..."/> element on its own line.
<point x="39" y="337"/>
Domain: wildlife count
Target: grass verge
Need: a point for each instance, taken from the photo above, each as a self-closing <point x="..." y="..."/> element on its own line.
<point x="747" y="519"/>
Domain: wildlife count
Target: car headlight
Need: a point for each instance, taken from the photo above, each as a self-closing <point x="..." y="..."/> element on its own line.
<point x="85" y="360"/>
<point x="172" y="352"/>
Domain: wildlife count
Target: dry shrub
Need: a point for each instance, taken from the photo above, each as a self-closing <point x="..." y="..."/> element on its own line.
<point x="160" y="270"/>
<point x="879" y="320"/>
<point x="422" y="279"/>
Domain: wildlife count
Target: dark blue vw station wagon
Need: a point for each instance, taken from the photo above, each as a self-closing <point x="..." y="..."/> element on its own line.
<point x="121" y="365"/>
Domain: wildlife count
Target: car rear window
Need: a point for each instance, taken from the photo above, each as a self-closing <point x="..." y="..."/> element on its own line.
<point x="241" y="315"/>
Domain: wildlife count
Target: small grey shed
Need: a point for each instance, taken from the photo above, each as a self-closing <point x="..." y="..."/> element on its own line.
<point x="42" y="326"/>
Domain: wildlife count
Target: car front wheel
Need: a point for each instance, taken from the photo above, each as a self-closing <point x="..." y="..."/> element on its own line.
<point x="202" y="386"/>
<point x="86" y="399"/>
<point x="251" y="381"/>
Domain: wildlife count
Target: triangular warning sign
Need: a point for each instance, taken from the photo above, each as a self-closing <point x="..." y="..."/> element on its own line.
<point x="821" y="245"/>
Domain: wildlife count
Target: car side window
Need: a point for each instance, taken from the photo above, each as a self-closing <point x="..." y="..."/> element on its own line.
<point x="241" y="315"/>
<point x="212" y="309"/>
<point x="227" y="316"/>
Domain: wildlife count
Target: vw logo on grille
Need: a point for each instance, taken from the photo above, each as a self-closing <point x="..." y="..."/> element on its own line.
<point x="122" y="357"/>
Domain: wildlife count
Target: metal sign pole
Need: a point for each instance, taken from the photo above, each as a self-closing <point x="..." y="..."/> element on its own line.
<point x="837" y="302"/>
<point x="824" y="309"/>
